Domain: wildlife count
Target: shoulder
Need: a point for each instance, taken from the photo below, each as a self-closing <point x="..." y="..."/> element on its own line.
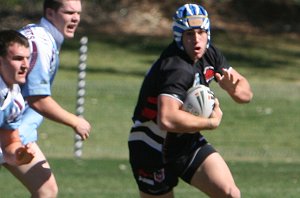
<point x="176" y="62"/>
<point x="213" y="51"/>
<point x="174" y="58"/>
<point x="37" y="33"/>
<point x="177" y="72"/>
<point x="33" y="31"/>
<point x="215" y="57"/>
<point x="40" y="40"/>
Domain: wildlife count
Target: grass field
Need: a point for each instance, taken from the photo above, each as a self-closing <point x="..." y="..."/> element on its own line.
<point x="260" y="140"/>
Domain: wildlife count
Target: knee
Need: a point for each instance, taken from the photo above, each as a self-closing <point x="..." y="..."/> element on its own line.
<point x="46" y="191"/>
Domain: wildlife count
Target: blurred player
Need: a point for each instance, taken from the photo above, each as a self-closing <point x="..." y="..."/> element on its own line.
<point x="14" y="63"/>
<point x="59" y="22"/>
<point x="165" y="143"/>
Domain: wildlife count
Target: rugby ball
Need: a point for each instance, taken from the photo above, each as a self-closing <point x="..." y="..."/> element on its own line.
<point x="199" y="101"/>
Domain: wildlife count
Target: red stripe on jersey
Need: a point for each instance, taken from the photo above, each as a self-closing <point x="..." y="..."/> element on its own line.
<point x="19" y="104"/>
<point x="34" y="55"/>
<point x="149" y="113"/>
<point x="152" y="100"/>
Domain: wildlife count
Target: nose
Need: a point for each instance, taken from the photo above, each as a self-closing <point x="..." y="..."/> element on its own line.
<point x="25" y="63"/>
<point x="76" y="17"/>
<point x="198" y="36"/>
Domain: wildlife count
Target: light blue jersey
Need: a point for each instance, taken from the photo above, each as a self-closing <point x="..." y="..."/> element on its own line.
<point x="45" y="42"/>
<point x="12" y="106"/>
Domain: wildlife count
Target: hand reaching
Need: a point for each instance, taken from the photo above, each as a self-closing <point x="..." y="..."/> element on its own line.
<point x="236" y="85"/>
<point x="227" y="81"/>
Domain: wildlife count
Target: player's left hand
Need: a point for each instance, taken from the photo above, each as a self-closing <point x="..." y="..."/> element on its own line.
<point x="227" y="81"/>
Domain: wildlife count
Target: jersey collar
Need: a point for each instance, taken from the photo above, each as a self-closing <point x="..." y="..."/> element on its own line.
<point x="58" y="37"/>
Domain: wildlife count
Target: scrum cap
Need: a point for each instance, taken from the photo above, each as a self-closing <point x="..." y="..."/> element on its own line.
<point x="190" y="16"/>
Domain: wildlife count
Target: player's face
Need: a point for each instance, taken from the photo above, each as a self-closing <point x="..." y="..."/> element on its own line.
<point x="14" y="66"/>
<point x="194" y="43"/>
<point x="67" y="17"/>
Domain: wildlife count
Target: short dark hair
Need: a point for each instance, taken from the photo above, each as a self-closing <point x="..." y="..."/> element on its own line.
<point x="52" y="4"/>
<point x="8" y="37"/>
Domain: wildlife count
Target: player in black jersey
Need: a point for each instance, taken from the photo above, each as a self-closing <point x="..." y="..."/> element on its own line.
<point x="165" y="143"/>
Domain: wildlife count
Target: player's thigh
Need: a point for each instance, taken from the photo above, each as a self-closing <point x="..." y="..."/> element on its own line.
<point x="213" y="176"/>
<point x="167" y="195"/>
<point x="35" y="174"/>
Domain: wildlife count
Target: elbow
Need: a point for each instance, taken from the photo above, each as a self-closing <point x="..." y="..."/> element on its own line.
<point x="164" y="124"/>
<point x="249" y="97"/>
<point x="244" y="98"/>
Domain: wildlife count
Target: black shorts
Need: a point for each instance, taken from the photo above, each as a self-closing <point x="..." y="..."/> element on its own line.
<point x="156" y="177"/>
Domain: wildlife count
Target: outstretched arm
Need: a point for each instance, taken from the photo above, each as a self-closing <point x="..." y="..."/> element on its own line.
<point x="236" y="85"/>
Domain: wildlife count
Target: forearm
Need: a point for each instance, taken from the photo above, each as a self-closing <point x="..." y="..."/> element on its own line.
<point x="184" y="122"/>
<point x="172" y="118"/>
<point x="236" y="85"/>
<point x="49" y="108"/>
<point x="10" y="153"/>
<point x="242" y="92"/>
<point x="10" y="143"/>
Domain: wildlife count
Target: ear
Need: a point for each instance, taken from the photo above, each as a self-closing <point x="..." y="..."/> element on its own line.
<point x="49" y="13"/>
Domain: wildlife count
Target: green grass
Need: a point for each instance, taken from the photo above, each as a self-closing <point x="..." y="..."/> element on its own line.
<point x="260" y="140"/>
<point x="111" y="178"/>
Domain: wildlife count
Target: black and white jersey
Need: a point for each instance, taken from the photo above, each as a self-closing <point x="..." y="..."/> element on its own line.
<point x="158" y="157"/>
<point x="173" y="74"/>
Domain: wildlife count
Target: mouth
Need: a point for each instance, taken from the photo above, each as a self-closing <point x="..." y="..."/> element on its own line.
<point x="23" y="72"/>
<point x="197" y="49"/>
<point x="71" y="28"/>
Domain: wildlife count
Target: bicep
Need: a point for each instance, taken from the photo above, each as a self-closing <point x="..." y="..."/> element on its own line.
<point x="43" y="104"/>
<point x="167" y="104"/>
<point x="168" y="108"/>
